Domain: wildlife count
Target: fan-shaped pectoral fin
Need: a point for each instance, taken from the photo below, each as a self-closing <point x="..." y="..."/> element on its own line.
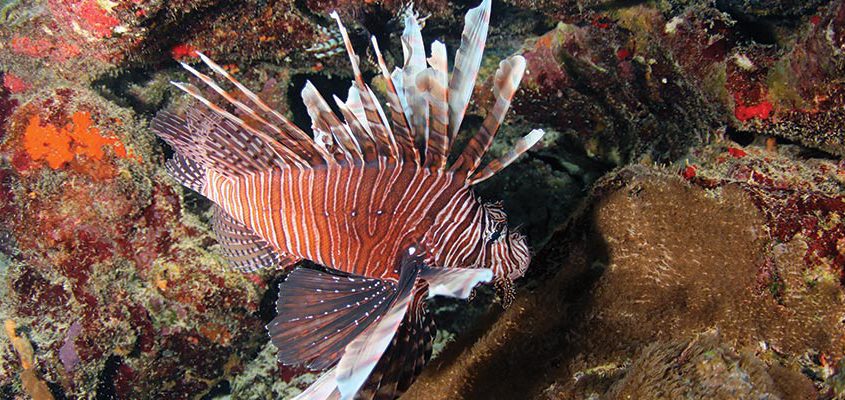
<point x="454" y="282"/>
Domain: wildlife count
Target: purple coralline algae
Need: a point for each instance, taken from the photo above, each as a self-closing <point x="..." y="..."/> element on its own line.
<point x="67" y="353"/>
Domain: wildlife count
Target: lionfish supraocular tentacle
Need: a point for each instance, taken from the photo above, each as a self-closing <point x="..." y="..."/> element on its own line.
<point x="329" y="46"/>
<point x="370" y="196"/>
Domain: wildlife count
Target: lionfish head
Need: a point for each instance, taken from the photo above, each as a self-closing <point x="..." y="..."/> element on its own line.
<point x="504" y="249"/>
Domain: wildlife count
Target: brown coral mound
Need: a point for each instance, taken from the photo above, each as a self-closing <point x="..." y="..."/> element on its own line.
<point x="700" y="368"/>
<point x="682" y="259"/>
<point x="653" y="259"/>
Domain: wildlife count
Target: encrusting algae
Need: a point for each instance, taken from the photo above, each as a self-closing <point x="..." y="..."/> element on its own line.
<point x="59" y="145"/>
<point x="30" y="381"/>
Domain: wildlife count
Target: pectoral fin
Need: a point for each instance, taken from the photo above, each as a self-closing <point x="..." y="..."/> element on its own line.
<point x="382" y="359"/>
<point x="454" y="282"/>
<point x="363" y="354"/>
<point x="321" y="312"/>
<point x="407" y="354"/>
<point x="324" y="387"/>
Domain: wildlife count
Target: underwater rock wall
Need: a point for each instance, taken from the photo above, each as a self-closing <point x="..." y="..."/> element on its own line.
<point x="656" y="260"/>
<point x="730" y="218"/>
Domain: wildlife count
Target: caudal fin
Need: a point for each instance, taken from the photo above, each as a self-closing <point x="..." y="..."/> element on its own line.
<point x="187" y="172"/>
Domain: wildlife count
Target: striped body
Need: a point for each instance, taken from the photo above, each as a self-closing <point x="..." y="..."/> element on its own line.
<point x="357" y="219"/>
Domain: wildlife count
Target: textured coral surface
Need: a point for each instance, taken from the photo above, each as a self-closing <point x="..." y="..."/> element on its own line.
<point x="653" y="262"/>
<point x="685" y="207"/>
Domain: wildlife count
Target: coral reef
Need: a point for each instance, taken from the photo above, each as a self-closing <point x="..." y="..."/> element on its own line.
<point x="7" y="104"/>
<point x="612" y="93"/>
<point x="700" y="368"/>
<point x="260" y="378"/>
<point x="786" y="91"/>
<point x="685" y="207"/>
<point x="276" y="29"/>
<point x="30" y="381"/>
<point x="115" y="287"/>
<point x="721" y="65"/>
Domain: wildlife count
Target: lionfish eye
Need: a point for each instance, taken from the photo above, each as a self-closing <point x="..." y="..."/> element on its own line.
<point x="497" y="233"/>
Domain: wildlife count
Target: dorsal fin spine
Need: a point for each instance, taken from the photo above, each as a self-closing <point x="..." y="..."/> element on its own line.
<point x="506" y="81"/>
<point x="467" y="63"/>
<point x="372" y="122"/>
<point x="286" y="125"/>
<point x="281" y="151"/>
<point x="401" y="133"/>
<point x="353" y="58"/>
<point x="308" y="150"/>
<point x="322" y="115"/>
<point x="390" y="137"/>
<point x="360" y="134"/>
<point x="427" y="103"/>
<point x="521" y="146"/>
<point x="243" y="107"/>
<point x="414" y="54"/>
<point x="434" y="81"/>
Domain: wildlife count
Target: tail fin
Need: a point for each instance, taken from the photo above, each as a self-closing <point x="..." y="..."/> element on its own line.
<point x="242" y="248"/>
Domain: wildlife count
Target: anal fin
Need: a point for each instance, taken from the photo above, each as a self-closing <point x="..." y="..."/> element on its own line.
<point x="244" y="250"/>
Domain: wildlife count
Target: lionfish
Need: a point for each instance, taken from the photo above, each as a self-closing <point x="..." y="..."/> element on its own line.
<point x="373" y="200"/>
